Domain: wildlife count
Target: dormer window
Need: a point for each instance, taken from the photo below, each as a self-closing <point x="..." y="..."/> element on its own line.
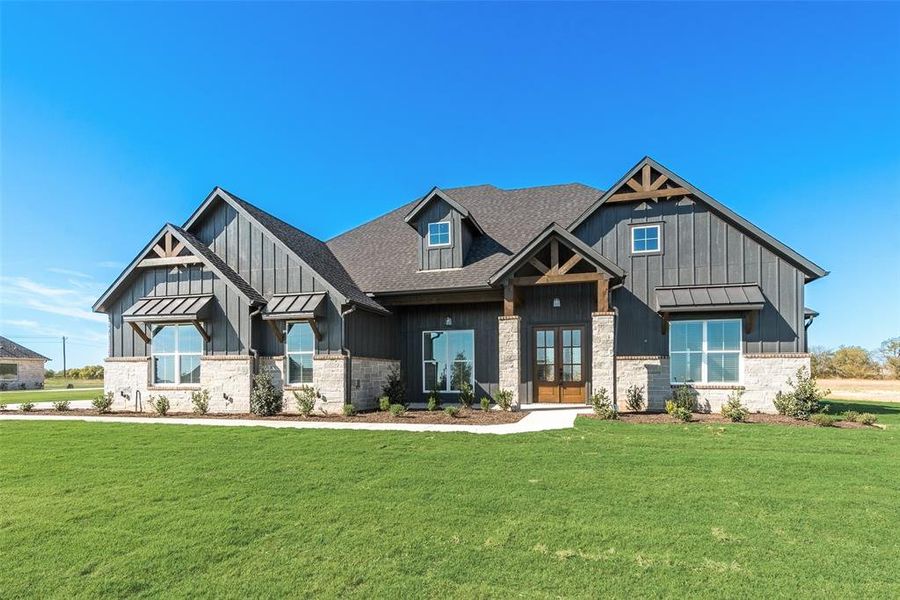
<point x="439" y="234"/>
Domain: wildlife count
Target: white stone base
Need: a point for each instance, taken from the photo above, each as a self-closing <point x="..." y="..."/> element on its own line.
<point x="368" y="377"/>
<point x="510" y="356"/>
<point x="30" y="374"/>
<point x="603" y="364"/>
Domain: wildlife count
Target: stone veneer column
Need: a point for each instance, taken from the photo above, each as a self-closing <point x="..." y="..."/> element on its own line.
<point x="510" y="355"/>
<point x="603" y="359"/>
<point x="329" y="377"/>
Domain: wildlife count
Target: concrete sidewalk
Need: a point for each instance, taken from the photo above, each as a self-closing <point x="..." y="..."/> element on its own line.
<point x="543" y="420"/>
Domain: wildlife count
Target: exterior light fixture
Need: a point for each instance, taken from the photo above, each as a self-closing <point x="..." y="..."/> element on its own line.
<point x="448" y="322"/>
<point x="556" y="303"/>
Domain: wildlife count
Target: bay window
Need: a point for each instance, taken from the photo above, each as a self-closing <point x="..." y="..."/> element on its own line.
<point x="300" y="345"/>
<point x="448" y="360"/>
<point x="175" y="351"/>
<point x="707" y="351"/>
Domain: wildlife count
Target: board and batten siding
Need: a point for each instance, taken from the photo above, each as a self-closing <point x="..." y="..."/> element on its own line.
<point x="445" y="257"/>
<point x="699" y="247"/>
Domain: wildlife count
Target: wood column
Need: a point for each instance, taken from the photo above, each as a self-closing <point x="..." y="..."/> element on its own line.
<point x="603" y="295"/>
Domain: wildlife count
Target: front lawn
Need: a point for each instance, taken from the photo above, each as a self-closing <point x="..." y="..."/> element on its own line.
<point x="605" y="509"/>
<point x="14" y="397"/>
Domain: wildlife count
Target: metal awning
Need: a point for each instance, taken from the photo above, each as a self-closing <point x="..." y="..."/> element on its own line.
<point x="710" y="298"/>
<point x="168" y="309"/>
<point x="300" y="307"/>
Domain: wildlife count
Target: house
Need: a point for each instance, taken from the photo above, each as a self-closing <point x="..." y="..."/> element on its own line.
<point x="550" y="292"/>
<point x="20" y="368"/>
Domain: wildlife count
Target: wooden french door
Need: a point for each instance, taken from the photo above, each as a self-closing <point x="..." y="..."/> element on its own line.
<point x="559" y="364"/>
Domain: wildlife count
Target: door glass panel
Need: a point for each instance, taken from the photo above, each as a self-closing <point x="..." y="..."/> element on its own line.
<point x="545" y="356"/>
<point x="571" y="355"/>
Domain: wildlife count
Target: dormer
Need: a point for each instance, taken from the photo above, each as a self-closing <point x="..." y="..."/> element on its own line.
<point x="446" y="230"/>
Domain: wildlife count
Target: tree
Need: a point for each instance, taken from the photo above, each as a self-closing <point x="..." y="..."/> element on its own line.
<point x="854" y="362"/>
<point x="821" y="362"/>
<point x="890" y="353"/>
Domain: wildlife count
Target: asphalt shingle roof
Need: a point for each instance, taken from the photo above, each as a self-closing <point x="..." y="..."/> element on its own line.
<point x="10" y="349"/>
<point x="381" y="255"/>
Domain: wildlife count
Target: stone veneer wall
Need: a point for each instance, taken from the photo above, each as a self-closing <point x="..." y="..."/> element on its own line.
<point x="228" y="379"/>
<point x="603" y="364"/>
<point x="329" y="377"/>
<point x="368" y="377"/>
<point x="30" y="372"/>
<point x="764" y="375"/>
<point x="510" y="355"/>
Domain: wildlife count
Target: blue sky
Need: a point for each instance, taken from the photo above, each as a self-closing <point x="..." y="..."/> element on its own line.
<point x="119" y="117"/>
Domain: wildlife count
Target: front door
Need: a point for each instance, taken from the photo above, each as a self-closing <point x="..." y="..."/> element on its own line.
<point x="559" y="364"/>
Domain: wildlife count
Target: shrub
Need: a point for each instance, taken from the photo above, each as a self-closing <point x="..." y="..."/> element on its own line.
<point x="398" y="410"/>
<point x="603" y="406"/>
<point x="384" y="404"/>
<point x="466" y="395"/>
<point x="683" y="397"/>
<point x="394" y="388"/>
<point x="159" y="404"/>
<point x="733" y="409"/>
<point x="3" y="386"/>
<point x="61" y="405"/>
<point x="503" y="399"/>
<point x="349" y="410"/>
<point x="851" y="415"/>
<point x="103" y="403"/>
<point x="306" y="398"/>
<point x="200" y="401"/>
<point x="2" y="406"/>
<point x="868" y="419"/>
<point x="634" y="398"/>
<point x="26" y="406"/>
<point x="485" y="404"/>
<point x="265" y="400"/>
<point x="822" y="420"/>
<point x="452" y="411"/>
<point x="434" y="403"/>
<point x="805" y="398"/>
<point x="677" y="411"/>
<point x="22" y="386"/>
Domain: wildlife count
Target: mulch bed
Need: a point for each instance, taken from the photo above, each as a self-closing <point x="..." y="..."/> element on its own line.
<point x="717" y="419"/>
<point x="466" y="417"/>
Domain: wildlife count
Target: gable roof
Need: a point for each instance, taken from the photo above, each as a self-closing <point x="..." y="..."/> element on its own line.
<point x="310" y="251"/>
<point x="198" y="249"/>
<point x="437" y="193"/>
<point x="10" y="349"/>
<point x="377" y="254"/>
<point x="809" y="268"/>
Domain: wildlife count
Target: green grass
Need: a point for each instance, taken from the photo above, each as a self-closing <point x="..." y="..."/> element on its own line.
<point x="888" y="413"/>
<point x="47" y="396"/>
<point x="55" y="383"/>
<point x="605" y="509"/>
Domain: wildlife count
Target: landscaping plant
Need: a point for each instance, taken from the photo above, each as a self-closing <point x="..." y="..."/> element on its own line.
<point x="733" y="409"/>
<point x="452" y="411"/>
<point x="200" y="401"/>
<point x="485" y="403"/>
<point x="683" y="397"/>
<point x="868" y="419"/>
<point x="26" y="406"/>
<point x="265" y="399"/>
<point x="503" y="399"/>
<point x="160" y="405"/>
<point x="103" y="403"/>
<point x="306" y="398"/>
<point x="398" y="410"/>
<point x="466" y="394"/>
<point x="434" y="402"/>
<point x="2" y="406"/>
<point x="634" y="398"/>
<point x="395" y="388"/>
<point x="822" y="420"/>
<point x="61" y="405"/>
<point x="851" y="415"/>
<point x="603" y="406"/>
<point x="384" y="404"/>
<point x="349" y="410"/>
<point x="677" y="411"/>
<point x="805" y="398"/>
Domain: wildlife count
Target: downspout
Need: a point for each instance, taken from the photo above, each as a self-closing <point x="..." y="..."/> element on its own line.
<point x="253" y="351"/>
<point x="348" y="372"/>
<point x="615" y="310"/>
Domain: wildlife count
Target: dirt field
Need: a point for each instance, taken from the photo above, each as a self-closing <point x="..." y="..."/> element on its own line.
<point x="885" y="390"/>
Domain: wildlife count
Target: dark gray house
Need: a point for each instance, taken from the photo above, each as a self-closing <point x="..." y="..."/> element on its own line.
<point x="550" y="292"/>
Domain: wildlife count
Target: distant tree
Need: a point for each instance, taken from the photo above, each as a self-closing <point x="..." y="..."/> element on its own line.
<point x="49" y="373"/>
<point x="821" y="362"/>
<point x="890" y="353"/>
<point x="854" y="362"/>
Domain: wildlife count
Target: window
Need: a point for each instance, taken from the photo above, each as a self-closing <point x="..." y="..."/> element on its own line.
<point x="9" y="372"/>
<point x="645" y="239"/>
<point x="439" y="234"/>
<point x="448" y="360"/>
<point x="705" y="351"/>
<point x="176" y="351"/>
<point x="300" y="346"/>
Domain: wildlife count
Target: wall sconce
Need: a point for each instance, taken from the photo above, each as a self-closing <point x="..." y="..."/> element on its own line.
<point x="556" y="303"/>
<point x="448" y="322"/>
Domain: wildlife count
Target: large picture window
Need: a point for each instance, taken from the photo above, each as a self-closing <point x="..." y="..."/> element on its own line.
<point x="705" y="351"/>
<point x="176" y="352"/>
<point x="448" y="360"/>
<point x="299" y="349"/>
<point x="9" y="371"/>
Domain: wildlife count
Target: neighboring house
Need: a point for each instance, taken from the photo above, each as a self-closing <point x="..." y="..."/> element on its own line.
<point x="551" y="292"/>
<point x="20" y="368"/>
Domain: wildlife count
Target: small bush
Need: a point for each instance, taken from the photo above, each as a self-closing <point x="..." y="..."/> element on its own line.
<point x="200" y="401"/>
<point x="733" y="409"/>
<point x="22" y="386"/>
<point x="822" y="420"/>
<point x="868" y="419"/>
<point x="349" y="410"/>
<point x="503" y="399"/>
<point x="683" y="397"/>
<point x="61" y="405"/>
<point x="26" y="406"/>
<point x="3" y="386"/>
<point x="306" y="398"/>
<point x="851" y="415"/>
<point x="384" y="404"/>
<point x="485" y="404"/>
<point x="395" y="388"/>
<point x="466" y="395"/>
<point x="159" y="404"/>
<point x="804" y="400"/>
<point x="398" y="410"/>
<point x="634" y="398"/>
<point x="452" y="411"/>
<point x="603" y="406"/>
<point x="2" y="406"/>
<point x="677" y="411"/>
<point x="434" y="402"/>
<point x="103" y="403"/>
<point x="265" y="399"/>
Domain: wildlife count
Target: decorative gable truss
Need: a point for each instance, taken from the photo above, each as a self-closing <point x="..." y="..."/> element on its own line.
<point x="169" y="251"/>
<point x="646" y="183"/>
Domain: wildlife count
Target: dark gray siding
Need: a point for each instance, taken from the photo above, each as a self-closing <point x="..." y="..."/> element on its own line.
<point x="375" y="336"/>
<point x="699" y="247"/>
<point x="447" y="257"/>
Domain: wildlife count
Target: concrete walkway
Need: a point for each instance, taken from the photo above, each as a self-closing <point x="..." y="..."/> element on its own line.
<point x="538" y="420"/>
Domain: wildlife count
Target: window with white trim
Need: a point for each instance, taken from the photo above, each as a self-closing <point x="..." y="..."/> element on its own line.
<point x="448" y="360"/>
<point x="300" y="345"/>
<point x="9" y="371"/>
<point x="175" y="353"/>
<point x="439" y="234"/>
<point x="705" y="351"/>
<point x="645" y="238"/>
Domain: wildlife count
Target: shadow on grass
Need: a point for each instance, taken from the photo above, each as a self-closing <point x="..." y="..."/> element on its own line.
<point x="861" y="406"/>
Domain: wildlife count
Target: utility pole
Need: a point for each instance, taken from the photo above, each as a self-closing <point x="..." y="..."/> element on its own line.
<point x="64" y="357"/>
